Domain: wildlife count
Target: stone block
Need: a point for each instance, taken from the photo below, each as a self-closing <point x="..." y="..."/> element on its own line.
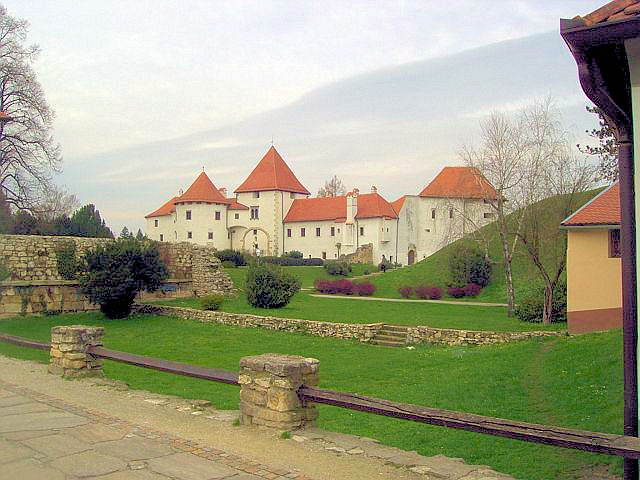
<point x="282" y="400"/>
<point x="253" y="396"/>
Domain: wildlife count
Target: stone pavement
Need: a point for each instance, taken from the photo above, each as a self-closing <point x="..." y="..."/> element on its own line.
<point x="45" y="438"/>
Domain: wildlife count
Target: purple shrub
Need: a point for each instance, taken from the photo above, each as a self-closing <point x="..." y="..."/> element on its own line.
<point x="472" y="289"/>
<point x="455" y="292"/>
<point x="406" y="291"/>
<point x="428" y="292"/>
<point x="365" y="289"/>
<point x="435" y="293"/>
<point x="343" y="286"/>
<point x="422" y="291"/>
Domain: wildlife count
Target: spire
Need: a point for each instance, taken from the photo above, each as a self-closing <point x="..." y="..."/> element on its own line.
<point x="272" y="173"/>
<point x="202" y="190"/>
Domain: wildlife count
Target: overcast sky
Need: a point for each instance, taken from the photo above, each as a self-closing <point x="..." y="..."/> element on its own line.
<point x="379" y="93"/>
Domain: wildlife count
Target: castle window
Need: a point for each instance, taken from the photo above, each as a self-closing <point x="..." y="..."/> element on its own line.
<point x="210" y="235"/>
<point x="451" y="213"/>
<point x="324" y="255"/>
<point x="155" y="223"/>
<point x="302" y="232"/>
<point x="217" y="215"/>
<point x="292" y="195"/>
<point x="237" y="216"/>
<point x="161" y="238"/>
<point x="256" y="194"/>
<point x="317" y="231"/>
<point x="288" y="232"/>
<point x="254" y="213"/>
<point x="188" y="214"/>
<point x="433" y="213"/>
<point x="255" y="232"/>
<point x="361" y="231"/>
<point x="189" y="235"/>
<point x="614" y="243"/>
<point x="333" y="231"/>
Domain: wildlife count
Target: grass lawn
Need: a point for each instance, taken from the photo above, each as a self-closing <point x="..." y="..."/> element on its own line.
<point x="306" y="307"/>
<point x="569" y="381"/>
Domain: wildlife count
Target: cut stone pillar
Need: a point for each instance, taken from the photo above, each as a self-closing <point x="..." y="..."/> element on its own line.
<point x="68" y="354"/>
<point x="269" y="386"/>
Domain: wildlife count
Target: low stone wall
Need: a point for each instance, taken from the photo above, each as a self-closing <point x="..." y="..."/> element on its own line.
<point x="361" y="332"/>
<point x="21" y="297"/>
<point x="358" y="331"/>
<point x="363" y="254"/>
<point x="422" y="334"/>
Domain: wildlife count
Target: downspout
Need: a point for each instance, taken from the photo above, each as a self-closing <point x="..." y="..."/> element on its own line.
<point x="397" y="228"/>
<point x="282" y="219"/>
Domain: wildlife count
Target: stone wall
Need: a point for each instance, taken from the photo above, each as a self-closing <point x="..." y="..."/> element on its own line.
<point x="33" y="257"/>
<point x="208" y="273"/>
<point x="363" y="332"/>
<point x="364" y="254"/>
<point x="178" y="257"/>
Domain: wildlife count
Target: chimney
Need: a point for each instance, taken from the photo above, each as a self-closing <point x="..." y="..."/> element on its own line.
<point x="355" y="192"/>
<point x="374" y="189"/>
<point x="180" y="192"/>
<point x="352" y="205"/>
<point x="223" y="191"/>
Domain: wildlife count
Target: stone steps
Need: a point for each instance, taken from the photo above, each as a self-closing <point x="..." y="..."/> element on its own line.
<point x="391" y="336"/>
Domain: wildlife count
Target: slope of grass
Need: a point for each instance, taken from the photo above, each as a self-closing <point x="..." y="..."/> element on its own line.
<point x="435" y="269"/>
<point x="568" y="381"/>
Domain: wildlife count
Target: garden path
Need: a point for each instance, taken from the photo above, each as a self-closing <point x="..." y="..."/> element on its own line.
<point x="59" y="430"/>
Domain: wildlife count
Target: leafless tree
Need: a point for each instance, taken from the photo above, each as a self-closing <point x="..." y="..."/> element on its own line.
<point x="332" y="188"/>
<point x="528" y="158"/>
<point x="28" y="153"/>
<point x="55" y="202"/>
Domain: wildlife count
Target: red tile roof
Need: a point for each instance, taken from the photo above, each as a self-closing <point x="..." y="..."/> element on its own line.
<point x="460" y="182"/>
<point x="235" y="205"/>
<point x="272" y="173"/>
<point x="612" y="11"/>
<point x="165" y="209"/>
<point x="397" y="204"/>
<point x="370" y="205"/>
<point x="202" y="190"/>
<point x="603" y="209"/>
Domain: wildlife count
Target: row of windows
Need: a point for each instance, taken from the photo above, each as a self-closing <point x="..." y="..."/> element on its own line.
<point x="303" y="231"/>
<point x="433" y="214"/>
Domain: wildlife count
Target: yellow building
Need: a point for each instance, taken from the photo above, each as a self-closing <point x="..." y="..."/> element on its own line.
<point x="594" y="268"/>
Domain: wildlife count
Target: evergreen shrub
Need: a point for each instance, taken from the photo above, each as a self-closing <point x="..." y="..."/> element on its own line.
<point x="211" y="301"/>
<point x="530" y="307"/>
<point x="270" y="286"/>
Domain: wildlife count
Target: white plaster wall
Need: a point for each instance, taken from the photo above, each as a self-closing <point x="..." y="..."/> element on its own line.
<point x="165" y="228"/>
<point x="312" y="245"/>
<point x="202" y="222"/>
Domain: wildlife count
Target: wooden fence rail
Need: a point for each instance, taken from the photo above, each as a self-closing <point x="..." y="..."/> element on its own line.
<point x="619" y="445"/>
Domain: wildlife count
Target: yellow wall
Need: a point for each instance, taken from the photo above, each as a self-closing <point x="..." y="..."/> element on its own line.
<point x="594" y="281"/>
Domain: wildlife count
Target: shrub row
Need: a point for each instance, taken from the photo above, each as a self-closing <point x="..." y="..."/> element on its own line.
<point x="294" y="261"/>
<point x="430" y="292"/>
<point x="334" y="267"/>
<point x="230" y="257"/>
<point x="344" y="287"/>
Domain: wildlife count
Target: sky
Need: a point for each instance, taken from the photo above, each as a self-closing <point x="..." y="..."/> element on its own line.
<point x="147" y="93"/>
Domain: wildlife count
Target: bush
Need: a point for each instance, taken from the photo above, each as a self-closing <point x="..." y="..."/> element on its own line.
<point x="234" y="256"/>
<point x="228" y="264"/>
<point x="270" y="286"/>
<point x="364" y="289"/>
<point x="405" y="292"/>
<point x="530" y="308"/>
<point x="117" y="271"/>
<point x="334" y="267"/>
<point x="428" y="292"/>
<point x="293" y="254"/>
<point x="67" y="264"/>
<point x="342" y="286"/>
<point x="212" y="301"/>
<point x="455" y="292"/>
<point x="293" y="262"/>
<point x="472" y="289"/>
<point x="469" y="265"/>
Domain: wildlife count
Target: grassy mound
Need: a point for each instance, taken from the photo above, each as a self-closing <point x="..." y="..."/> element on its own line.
<point x="435" y="269"/>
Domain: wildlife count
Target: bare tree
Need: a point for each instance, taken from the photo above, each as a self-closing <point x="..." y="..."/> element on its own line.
<point x="28" y="153"/>
<point x="55" y="202"/>
<point x="501" y="159"/>
<point x="332" y="188"/>
<point x="528" y="158"/>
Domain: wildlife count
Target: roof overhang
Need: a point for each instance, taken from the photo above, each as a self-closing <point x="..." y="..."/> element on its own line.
<point x="590" y="227"/>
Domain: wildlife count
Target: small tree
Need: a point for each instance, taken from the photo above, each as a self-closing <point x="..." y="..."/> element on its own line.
<point x="607" y="151"/>
<point x="332" y="188"/>
<point x="117" y="271"/>
<point x="270" y="286"/>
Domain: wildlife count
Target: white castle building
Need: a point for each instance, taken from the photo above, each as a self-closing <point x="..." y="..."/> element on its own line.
<point x="273" y="213"/>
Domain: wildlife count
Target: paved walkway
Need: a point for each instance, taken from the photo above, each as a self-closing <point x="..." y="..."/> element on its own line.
<point x="409" y="300"/>
<point x="67" y="430"/>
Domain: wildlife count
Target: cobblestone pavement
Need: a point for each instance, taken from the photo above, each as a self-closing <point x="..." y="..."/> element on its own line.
<point x="42" y="437"/>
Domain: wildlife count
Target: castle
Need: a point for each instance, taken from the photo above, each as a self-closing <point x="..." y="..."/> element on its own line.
<point x="273" y="213"/>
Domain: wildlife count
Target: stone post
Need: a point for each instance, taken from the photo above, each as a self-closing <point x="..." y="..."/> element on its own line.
<point x="268" y="390"/>
<point x="68" y="354"/>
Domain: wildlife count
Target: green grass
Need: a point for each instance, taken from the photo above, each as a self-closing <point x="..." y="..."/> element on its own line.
<point x="569" y="381"/>
<point x="435" y="269"/>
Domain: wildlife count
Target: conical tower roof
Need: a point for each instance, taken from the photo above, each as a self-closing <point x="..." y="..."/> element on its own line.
<point x="202" y="190"/>
<point x="272" y="173"/>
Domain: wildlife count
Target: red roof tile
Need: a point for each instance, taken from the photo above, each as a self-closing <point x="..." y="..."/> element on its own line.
<point x="235" y="205"/>
<point x="370" y="205"/>
<point x="397" y="204"/>
<point x="202" y="190"/>
<point x="460" y="182"/>
<point x="603" y="209"/>
<point x="612" y="11"/>
<point x="166" y="209"/>
<point x="272" y="173"/>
